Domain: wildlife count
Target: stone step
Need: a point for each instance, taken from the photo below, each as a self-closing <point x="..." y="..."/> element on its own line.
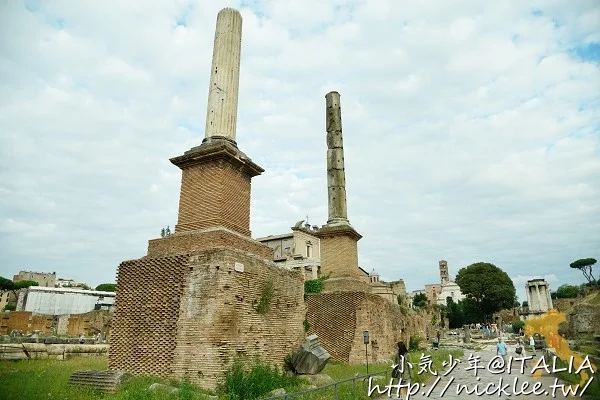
<point x="106" y="381"/>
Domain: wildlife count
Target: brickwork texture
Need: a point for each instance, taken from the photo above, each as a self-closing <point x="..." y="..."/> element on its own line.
<point x="339" y="256"/>
<point x="214" y="193"/>
<point x="190" y="315"/>
<point x="187" y="242"/>
<point x="339" y="320"/>
<point x="146" y="312"/>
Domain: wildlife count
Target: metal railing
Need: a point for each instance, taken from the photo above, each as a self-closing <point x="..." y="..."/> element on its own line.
<point x="335" y="387"/>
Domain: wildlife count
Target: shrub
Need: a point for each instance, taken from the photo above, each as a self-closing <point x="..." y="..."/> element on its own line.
<point x="315" y="285"/>
<point x="413" y="343"/>
<point x="516" y="325"/>
<point x="306" y="325"/>
<point x="266" y="296"/>
<point x="253" y="381"/>
<point x="10" y="307"/>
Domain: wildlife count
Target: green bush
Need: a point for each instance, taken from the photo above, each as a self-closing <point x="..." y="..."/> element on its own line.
<point x="413" y="343"/>
<point x="10" y="307"/>
<point x="306" y="325"/>
<point x="314" y="285"/>
<point x="516" y="325"/>
<point x="266" y="296"/>
<point x="254" y="381"/>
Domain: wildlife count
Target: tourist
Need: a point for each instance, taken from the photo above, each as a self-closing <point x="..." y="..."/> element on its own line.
<point x="532" y="343"/>
<point x="403" y="366"/>
<point x="501" y="349"/>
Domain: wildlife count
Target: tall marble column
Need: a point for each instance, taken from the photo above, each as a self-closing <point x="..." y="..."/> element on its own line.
<point x="221" y="113"/>
<point x="336" y="175"/>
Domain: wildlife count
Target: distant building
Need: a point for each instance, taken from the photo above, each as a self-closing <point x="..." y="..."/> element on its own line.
<point x="448" y="287"/>
<point x="433" y="291"/>
<point x="70" y="283"/>
<point x="59" y="301"/>
<point x="388" y="290"/>
<point x="297" y="250"/>
<point x="42" y="278"/>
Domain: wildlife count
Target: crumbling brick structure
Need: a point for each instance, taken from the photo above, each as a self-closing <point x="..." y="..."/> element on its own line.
<point x="208" y="292"/>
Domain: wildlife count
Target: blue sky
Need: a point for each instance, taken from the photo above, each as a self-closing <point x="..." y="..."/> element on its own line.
<point x="471" y="130"/>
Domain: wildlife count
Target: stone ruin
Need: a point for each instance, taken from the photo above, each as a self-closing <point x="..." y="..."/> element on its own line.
<point x="311" y="357"/>
<point x="209" y="292"/>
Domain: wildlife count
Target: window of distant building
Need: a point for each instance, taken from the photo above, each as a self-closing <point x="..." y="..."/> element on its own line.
<point x="308" y="249"/>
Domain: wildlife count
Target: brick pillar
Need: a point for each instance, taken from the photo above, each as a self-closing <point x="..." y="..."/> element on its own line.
<point x="215" y="188"/>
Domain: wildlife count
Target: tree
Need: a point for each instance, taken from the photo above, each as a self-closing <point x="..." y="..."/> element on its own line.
<point x="488" y="286"/>
<point x="516" y="325"/>
<point x="162" y="232"/>
<point x="567" y="292"/>
<point x="22" y="285"/>
<point x="107" y="287"/>
<point x="455" y="313"/>
<point x="420" y="300"/>
<point x="525" y="304"/>
<point x="6" y="285"/>
<point x="585" y="266"/>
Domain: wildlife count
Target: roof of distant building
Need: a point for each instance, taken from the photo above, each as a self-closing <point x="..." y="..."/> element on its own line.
<point x="65" y="290"/>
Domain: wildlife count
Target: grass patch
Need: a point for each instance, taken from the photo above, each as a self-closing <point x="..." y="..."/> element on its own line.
<point x="48" y="379"/>
<point x="251" y="381"/>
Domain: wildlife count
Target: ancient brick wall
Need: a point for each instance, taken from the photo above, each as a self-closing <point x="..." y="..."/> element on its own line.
<point x="187" y="242"/>
<point x="146" y="311"/>
<point x="219" y="319"/>
<point x="345" y="285"/>
<point x="215" y="193"/>
<point x="41" y="323"/>
<point x="339" y="256"/>
<point x="339" y="320"/>
<point x="18" y="320"/>
<point x="89" y="323"/>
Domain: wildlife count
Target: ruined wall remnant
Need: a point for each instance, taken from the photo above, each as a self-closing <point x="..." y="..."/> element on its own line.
<point x="208" y="292"/>
<point x="339" y="319"/>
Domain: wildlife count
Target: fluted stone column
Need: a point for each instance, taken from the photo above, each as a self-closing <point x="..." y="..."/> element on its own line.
<point x="336" y="175"/>
<point x="221" y="113"/>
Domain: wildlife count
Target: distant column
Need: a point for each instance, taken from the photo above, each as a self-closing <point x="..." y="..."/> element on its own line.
<point x="336" y="175"/>
<point x="221" y="113"/>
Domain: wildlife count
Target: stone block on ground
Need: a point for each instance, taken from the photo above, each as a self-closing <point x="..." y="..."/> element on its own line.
<point x="106" y="381"/>
<point x="311" y="358"/>
<point x="160" y="386"/>
<point x="318" y="380"/>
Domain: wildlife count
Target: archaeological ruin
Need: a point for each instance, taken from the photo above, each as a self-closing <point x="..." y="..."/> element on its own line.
<point x="209" y="292"/>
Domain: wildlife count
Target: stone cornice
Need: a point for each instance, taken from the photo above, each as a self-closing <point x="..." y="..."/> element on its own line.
<point x="338" y="230"/>
<point x="217" y="149"/>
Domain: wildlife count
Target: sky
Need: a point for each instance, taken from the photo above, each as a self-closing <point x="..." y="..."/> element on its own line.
<point x="471" y="129"/>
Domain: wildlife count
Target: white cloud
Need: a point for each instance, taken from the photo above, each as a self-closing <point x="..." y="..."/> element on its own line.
<point x="470" y="129"/>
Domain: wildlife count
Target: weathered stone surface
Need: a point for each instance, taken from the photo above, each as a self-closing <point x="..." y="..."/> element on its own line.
<point x="276" y="392"/>
<point x="166" y="388"/>
<point x="311" y="358"/>
<point x="318" y="380"/>
<point x="106" y="381"/>
<point x="336" y="182"/>
<point x="190" y="314"/>
<point x="221" y="113"/>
